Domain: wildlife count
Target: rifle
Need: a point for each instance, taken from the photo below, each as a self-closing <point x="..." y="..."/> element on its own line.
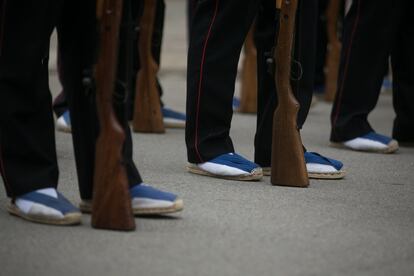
<point x="333" y="50"/>
<point x="147" y="109"/>
<point x="111" y="205"/>
<point x="288" y="161"/>
<point x="248" y="93"/>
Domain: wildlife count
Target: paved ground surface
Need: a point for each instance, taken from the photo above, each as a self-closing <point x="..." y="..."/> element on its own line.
<point x="362" y="225"/>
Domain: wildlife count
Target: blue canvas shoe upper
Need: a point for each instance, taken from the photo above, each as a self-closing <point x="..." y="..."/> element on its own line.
<point x="316" y="158"/>
<point x="60" y="203"/>
<point x="169" y="113"/>
<point x="236" y="161"/>
<point x="377" y="137"/>
<point x="144" y="191"/>
<point x="66" y="117"/>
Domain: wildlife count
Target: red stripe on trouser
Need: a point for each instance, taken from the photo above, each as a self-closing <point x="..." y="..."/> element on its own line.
<point x="201" y="80"/>
<point x="347" y="58"/>
<point x="3" y="16"/>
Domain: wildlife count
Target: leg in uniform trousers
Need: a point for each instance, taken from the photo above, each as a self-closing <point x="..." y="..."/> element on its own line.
<point x="171" y="117"/>
<point x="303" y="70"/>
<point x="77" y="42"/>
<point x="28" y="155"/>
<point x="370" y="29"/>
<point x="217" y="35"/>
<point x="402" y="61"/>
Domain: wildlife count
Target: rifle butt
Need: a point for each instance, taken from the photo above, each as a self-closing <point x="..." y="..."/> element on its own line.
<point x="147" y="110"/>
<point x="147" y="116"/>
<point x="111" y="205"/>
<point x="288" y="161"/>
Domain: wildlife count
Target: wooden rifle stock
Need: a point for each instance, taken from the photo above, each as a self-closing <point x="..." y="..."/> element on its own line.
<point x="288" y="161"/>
<point x="333" y="50"/>
<point x="248" y="92"/>
<point x="147" y="109"/>
<point x="111" y="205"/>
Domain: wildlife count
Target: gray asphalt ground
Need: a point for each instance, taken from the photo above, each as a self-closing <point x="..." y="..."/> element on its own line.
<point x="361" y="225"/>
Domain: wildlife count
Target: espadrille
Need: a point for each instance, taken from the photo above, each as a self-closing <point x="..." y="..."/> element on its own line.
<point x="371" y="142"/>
<point x="147" y="200"/>
<point x="42" y="208"/>
<point x="229" y="166"/>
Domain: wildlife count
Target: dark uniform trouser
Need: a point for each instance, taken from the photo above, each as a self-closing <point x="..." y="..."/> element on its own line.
<point x="60" y="104"/>
<point x="218" y="30"/>
<point x="28" y="154"/>
<point x="373" y="32"/>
